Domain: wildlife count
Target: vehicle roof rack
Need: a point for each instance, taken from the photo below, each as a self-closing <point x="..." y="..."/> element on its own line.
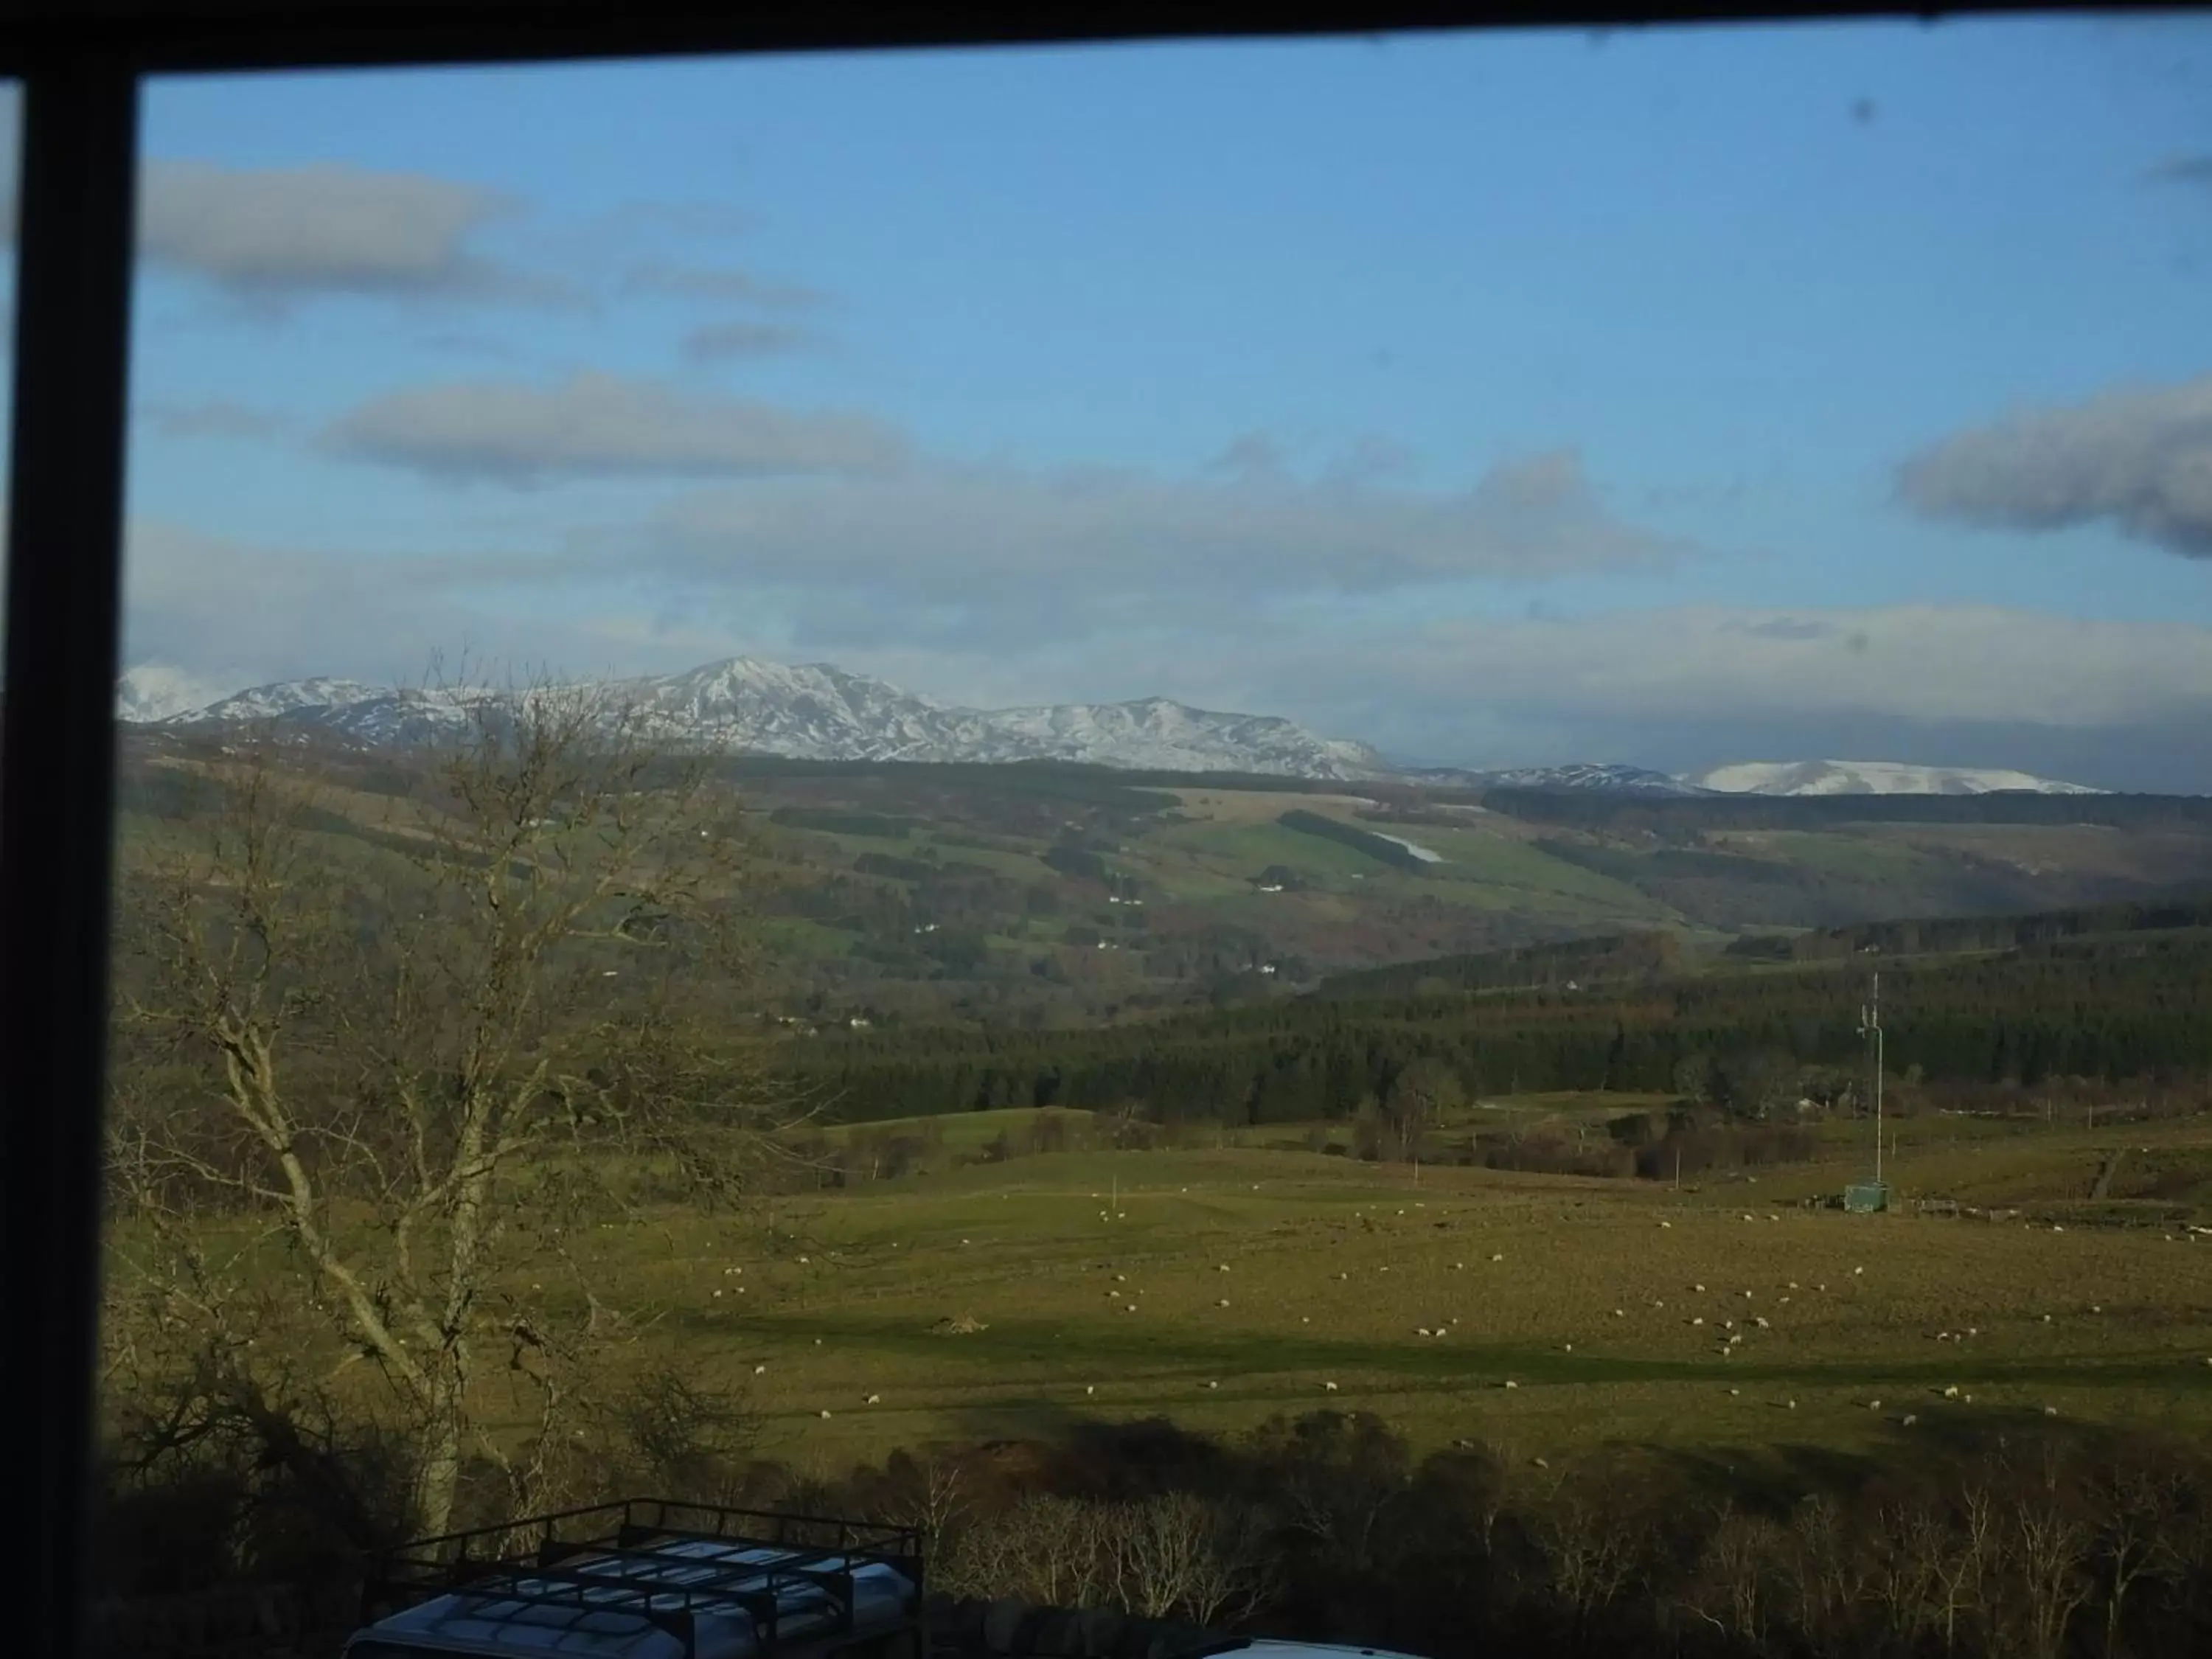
<point x="614" y="1558"/>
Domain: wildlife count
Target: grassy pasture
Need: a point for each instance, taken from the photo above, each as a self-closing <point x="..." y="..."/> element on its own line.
<point x="1585" y="1294"/>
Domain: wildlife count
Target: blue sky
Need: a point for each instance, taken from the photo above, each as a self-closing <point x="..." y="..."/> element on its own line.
<point x="1676" y="397"/>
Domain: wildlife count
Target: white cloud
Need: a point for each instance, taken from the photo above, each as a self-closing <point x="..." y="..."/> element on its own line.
<point x="2138" y="457"/>
<point x="519" y="432"/>
<point x="273" y="233"/>
<point x="997" y="555"/>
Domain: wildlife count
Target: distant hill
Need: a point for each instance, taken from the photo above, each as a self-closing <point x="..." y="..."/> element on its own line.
<point x="1833" y="777"/>
<point x="809" y="711"/>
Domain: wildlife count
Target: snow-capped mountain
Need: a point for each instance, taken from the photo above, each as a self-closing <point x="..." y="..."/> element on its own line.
<point x="1580" y="777"/>
<point x="819" y="712"/>
<point x="1832" y="777"/>
<point x="154" y="692"/>
<point x="1608" y="779"/>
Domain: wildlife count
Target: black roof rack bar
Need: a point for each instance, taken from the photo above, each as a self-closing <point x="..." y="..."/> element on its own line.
<point x="800" y="1564"/>
<point x="658" y="1602"/>
<point x="719" y="1581"/>
<point x="626" y="1513"/>
<point x="679" y="1621"/>
<point x="734" y="1581"/>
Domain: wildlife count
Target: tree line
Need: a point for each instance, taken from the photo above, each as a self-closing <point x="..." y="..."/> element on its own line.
<point x="2135" y="1008"/>
<point x="2023" y="1538"/>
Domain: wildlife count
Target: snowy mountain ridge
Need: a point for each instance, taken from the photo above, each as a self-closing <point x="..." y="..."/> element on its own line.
<point x="1835" y="777"/>
<point x="816" y="711"/>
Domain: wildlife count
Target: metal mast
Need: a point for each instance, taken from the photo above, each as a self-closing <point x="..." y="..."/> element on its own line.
<point x="1870" y="1025"/>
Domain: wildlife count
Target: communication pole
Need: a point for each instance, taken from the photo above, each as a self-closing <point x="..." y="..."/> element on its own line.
<point x="1870" y="1025"/>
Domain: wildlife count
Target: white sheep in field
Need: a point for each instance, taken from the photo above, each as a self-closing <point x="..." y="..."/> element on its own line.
<point x="1328" y="1388"/>
<point x="760" y="1370"/>
<point x="1091" y="1387"/>
<point x="1511" y="1383"/>
<point x="1910" y="1419"/>
<point x="1950" y="1391"/>
<point x="1420" y="1330"/>
<point x="1761" y="1322"/>
<point x="873" y="1400"/>
<point x="1223" y="1303"/>
<point x="1212" y="1385"/>
<point x="1499" y="1256"/>
<point x="1697" y="1287"/>
<point x="825" y="1413"/>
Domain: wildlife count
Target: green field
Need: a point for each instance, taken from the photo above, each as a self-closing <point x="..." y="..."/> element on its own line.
<point x="1583" y="1294"/>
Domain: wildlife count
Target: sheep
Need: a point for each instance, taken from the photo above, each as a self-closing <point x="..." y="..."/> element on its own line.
<point x="760" y="1370"/>
<point x="1697" y="1287"/>
<point x="1499" y="1256"/>
<point x="1791" y="1404"/>
<point x="1091" y="1387"/>
<point x="1113" y="1296"/>
<point x="1303" y="1320"/>
<point x="1223" y="1268"/>
<point x="1700" y="1320"/>
<point x="1856" y="1271"/>
<point x="825" y="1413"/>
<point x="1328" y="1388"/>
<point x="1511" y="1383"/>
<point x="718" y="1295"/>
<point x="1211" y="1384"/>
<point x="1950" y="1391"/>
<point x="1734" y="1393"/>
<point x="1619" y="1314"/>
<point x="2051" y="1410"/>
<point x="1223" y="1303"/>
<point x="1873" y="1404"/>
<point x="1420" y="1330"/>
<point x="1570" y="1347"/>
<point x="802" y="1261"/>
<point x="1910" y="1419"/>
<point x="873" y="1400"/>
<point x="1666" y="1224"/>
<point x="1761" y="1322"/>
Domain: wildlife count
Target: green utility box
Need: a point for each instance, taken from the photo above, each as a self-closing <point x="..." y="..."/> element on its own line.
<point x="1865" y="1197"/>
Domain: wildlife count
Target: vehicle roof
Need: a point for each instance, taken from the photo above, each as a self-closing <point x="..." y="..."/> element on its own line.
<point x="574" y="1608"/>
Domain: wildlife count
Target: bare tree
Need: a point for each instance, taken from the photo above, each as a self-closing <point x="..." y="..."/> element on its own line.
<point x="2049" y="1542"/>
<point x="1963" y="1558"/>
<point x="2137" y="1500"/>
<point x="1178" y="1553"/>
<point x="399" y="1062"/>
<point x="1734" y="1589"/>
<point x="1589" y="1541"/>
